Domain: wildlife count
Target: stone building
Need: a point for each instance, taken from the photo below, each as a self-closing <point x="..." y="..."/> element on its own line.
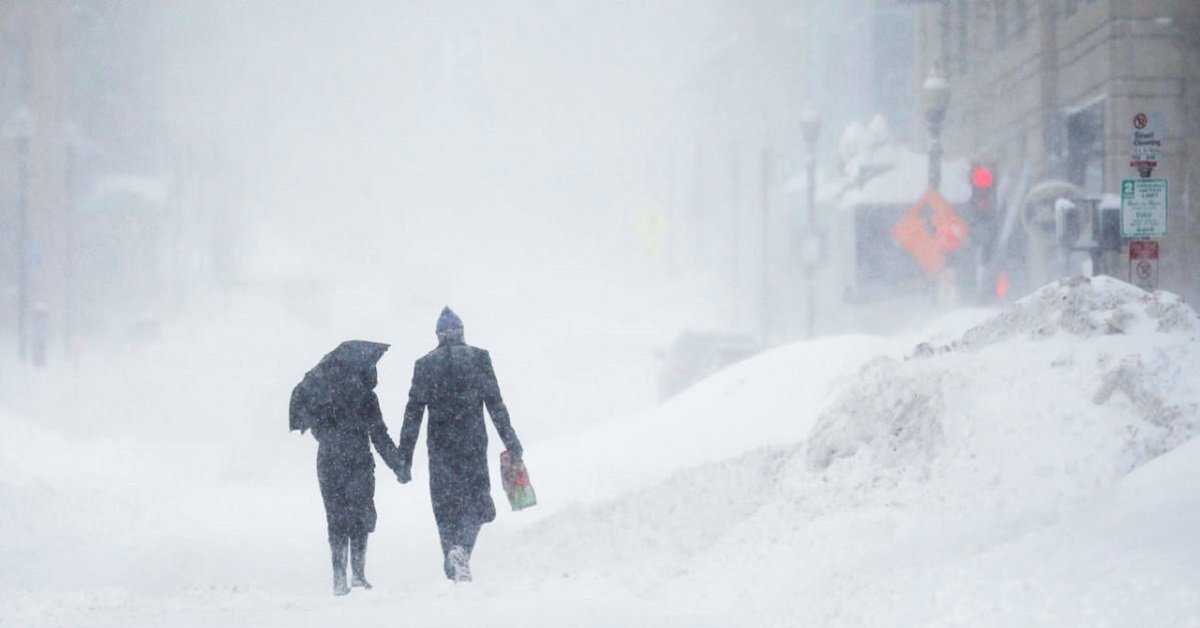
<point x="81" y="113"/>
<point x="1048" y="90"/>
<point x="34" y="97"/>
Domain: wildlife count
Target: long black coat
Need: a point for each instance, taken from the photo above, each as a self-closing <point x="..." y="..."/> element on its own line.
<point x="346" y="422"/>
<point x="455" y="381"/>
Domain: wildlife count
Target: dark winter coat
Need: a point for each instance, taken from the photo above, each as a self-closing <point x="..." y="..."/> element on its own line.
<point x="345" y="423"/>
<point x="455" y="381"/>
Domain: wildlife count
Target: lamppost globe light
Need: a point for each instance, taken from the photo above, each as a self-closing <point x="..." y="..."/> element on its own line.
<point x="71" y="137"/>
<point x="19" y="125"/>
<point x="811" y="240"/>
<point x="810" y="126"/>
<point x="937" y="94"/>
<point x="937" y="100"/>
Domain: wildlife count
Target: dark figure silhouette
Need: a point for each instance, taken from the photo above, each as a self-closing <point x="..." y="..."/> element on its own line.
<point x="337" y="401"/>
<point x="455" y="381"/>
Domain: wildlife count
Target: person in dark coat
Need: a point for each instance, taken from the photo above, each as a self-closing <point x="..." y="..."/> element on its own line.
<point x="337" y="401"/>
<point x="455" y="381"/>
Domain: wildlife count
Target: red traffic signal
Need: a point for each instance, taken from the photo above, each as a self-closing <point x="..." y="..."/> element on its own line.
<point x="982" y="178"/>
<point x="983" y="190"/>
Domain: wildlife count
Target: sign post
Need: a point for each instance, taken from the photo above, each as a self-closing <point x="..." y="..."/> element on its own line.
<point x="1144" y="200"/>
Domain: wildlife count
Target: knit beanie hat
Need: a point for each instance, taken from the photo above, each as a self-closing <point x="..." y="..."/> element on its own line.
<point x="448" y="321"/>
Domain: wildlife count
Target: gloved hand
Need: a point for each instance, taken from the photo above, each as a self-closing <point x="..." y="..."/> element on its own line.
<point x="404" y="475"/>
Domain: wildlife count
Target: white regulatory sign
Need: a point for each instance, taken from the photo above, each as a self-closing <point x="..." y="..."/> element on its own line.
<point x="1143" y="208"/>
<point x="1149" y="131"/>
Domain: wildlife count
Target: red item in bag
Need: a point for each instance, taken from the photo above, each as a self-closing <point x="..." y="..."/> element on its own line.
<point x="515" y="480"/>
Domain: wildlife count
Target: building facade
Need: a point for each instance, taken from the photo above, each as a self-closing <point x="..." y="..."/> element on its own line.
<point x="1048" y="90"/>
<point x="81" y="157"/>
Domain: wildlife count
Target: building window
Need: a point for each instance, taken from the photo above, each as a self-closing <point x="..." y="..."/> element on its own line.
<point x="945" y="19"/>
<point x="964" y="44"/>
<point x="1020" y="18"/>
<point x="1001" y="24"/>
<point x="1085" y="148"/>
<point x="17" y="80"/>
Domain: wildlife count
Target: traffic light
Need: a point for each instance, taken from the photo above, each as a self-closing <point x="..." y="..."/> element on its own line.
<point x="984" y="214"/>
<point x="983" y="191"/>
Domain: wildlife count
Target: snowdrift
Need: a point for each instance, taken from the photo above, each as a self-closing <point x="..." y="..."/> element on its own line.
<point x="980" y="480"/>
<point x="1034" y="466"/>
<point x="1066" y="391"/>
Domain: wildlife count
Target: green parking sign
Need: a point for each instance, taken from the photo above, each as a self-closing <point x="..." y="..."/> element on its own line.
<point x="1143" y="208"/>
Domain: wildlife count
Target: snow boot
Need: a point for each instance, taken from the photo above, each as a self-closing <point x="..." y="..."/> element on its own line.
<point x="358" y="561"/>
<point x="460" y="567"/>
<point x="338" y="549"/>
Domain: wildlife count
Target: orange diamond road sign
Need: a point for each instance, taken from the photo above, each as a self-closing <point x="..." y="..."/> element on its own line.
<point x="928" y="249"/>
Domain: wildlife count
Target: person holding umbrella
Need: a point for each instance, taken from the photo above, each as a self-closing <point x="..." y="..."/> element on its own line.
<point x="337" y="401"/>
<point x="455" y="381"/>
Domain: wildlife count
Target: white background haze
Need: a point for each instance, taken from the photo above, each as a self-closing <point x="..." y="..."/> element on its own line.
<point x="1029" y="466"/>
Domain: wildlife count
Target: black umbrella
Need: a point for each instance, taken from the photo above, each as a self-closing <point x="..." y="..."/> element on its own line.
<point x="340" y="367"/>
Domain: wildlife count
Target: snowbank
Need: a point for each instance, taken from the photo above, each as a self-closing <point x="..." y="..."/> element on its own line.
<point x="1035" y="466"/>
<point x="983" y="479"/>
<point x="1081" y="381"/>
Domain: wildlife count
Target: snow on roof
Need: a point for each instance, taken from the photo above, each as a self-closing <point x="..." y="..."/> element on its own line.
<point x="152" y="189"/>
<point x="904" y="176"/>
<point x="893" y="175"/>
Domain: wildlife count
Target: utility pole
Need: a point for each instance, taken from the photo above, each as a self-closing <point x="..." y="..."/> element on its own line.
<point x="765" y="296"/>
<point x="937" y="91"/>
<point x="811" y="242"/>
<point x="20" y="128"/>
<point x="72" y="141"/>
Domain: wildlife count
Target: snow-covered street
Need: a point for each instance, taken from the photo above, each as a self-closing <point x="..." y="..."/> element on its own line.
<point x="1032" y="466"/>
<point x="797" y="312"/>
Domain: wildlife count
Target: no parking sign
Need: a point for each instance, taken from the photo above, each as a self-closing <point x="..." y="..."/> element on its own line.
<point x="1143" y="264"/>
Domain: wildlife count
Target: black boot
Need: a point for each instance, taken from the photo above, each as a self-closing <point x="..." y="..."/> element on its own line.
<point x="338" y="546"/>
<point x="358" y="560"/>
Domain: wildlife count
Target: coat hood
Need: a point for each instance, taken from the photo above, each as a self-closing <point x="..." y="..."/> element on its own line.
<point x="448" y="321"/>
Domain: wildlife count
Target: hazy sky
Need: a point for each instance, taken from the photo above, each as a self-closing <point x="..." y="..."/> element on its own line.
<point x="495" y="156"/>
<point x="539" y="123"/>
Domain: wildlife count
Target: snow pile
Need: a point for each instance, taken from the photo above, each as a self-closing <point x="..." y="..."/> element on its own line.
<point x="717" y="418"/>
<point x="1064" y="392"/>
<point x="1034" y="466"/>
<point x="1086" y="307"/>
<point x="54" y="495"/>
<point x="1010" y="474"/>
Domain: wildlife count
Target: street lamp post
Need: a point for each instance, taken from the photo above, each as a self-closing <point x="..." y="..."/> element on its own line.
<point x="764" y="306"/>
<point x="937" y="95"/>
<point x="19" y="127"/>
<point x="810" y="130"/>
<point x="72" y="141"/>
<point x="937" y="100"/>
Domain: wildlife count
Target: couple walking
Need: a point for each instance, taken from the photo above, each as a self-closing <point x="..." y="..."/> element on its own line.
<point x="337" y="401"/>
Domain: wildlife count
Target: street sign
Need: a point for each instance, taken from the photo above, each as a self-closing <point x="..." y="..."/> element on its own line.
<point x="949" y="232"/>
<point x="1149" y="131"/>
<point x="1143" y="208"/>
<point x="1143" y="264"/>
<point x="651" y="225"/>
